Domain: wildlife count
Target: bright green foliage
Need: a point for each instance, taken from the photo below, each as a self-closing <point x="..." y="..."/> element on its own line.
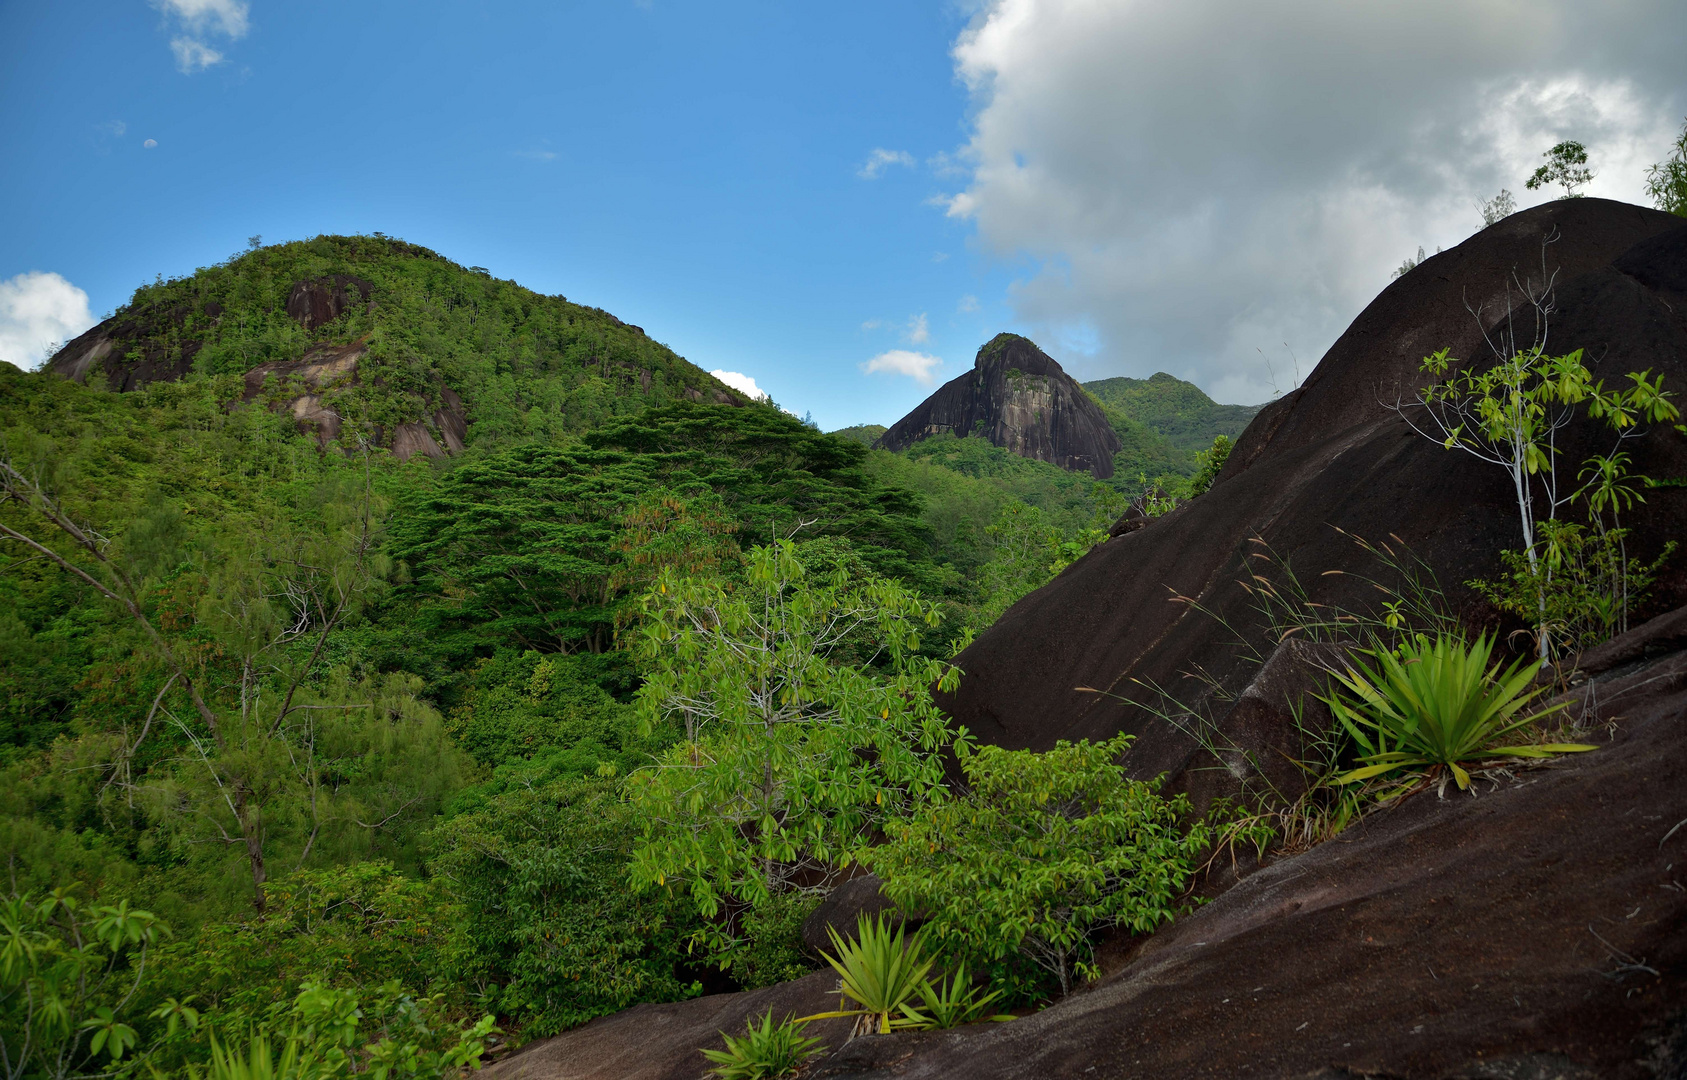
<point x="547" y="923"/>
<point x="1437" y="705"/>
<point x="357" y="926"/>
<point x="1566" y="165"/>
<point x="68" y="972"/>
<point x="1208" y="464"/>
<point x="953" y="1001"/>
<point x="765" y="1051"/>
<point x="1666" y="182"/>
<point x="515" y="706"/>
<point x="881" y="973"/>
<point x="1041" y="853"/>
<point x="330" y="1033"/>
<point x="806" y="718"/>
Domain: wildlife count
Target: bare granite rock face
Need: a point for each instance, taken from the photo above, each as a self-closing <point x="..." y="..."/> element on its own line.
<point x="1018" y="397"/>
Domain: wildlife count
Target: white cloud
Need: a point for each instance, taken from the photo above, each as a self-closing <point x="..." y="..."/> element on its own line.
<point x="193" y="55"/>
<point x="199" y="19"/>
<point x="872" y="324"/>
<point x="228" y="17"/>
<point x="740" y="382"/>
<point x="917" y="366"/>
<point x="967" y="304"/>
<point x="1194" y="181"/>
<point x="114" y="127"/>
<point x="880" y="159"/>
<point x="536" y="155"/>
<point x="919" y="329"/>
<point x="150" y="143"/>
<point x="38" y="310"/>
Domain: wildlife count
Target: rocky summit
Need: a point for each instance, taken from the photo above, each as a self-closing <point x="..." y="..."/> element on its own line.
<point x="1020" y="399"/>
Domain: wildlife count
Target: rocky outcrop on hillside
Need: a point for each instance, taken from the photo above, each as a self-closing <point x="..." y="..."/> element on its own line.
<point x="1017" y="397"/>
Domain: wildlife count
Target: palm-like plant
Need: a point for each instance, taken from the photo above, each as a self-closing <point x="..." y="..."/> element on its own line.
<point x="764" y="1051"/>
<point x="1437" y="705"/>
<point x="881" y="973"/>
<point x="952" y="1002"/>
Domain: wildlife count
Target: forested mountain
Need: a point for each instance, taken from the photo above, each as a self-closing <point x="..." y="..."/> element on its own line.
<point x="1179" y="411"/>
<point x="401" y="343"/>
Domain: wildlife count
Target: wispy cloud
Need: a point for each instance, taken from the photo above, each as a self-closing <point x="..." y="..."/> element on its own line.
<point x="198" y="20"/>
<point x="917" y="366"/>
<point x="919" y="329"/>
<point x="193" y="55"/>
<point x="968" y="303"/>
<point x="873" y="324"/>
<point x="536" y="155"/>
<point x="740" y="382"/>
<point x="39" y="311"/>
<point x="881" y="159"/>
<point x="115" y="128"/>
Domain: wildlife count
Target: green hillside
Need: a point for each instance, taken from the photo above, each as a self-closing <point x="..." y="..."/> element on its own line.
<point x="865" y="434"/>
<point x="525" y="365"/>
<point x="1179" y="411"/>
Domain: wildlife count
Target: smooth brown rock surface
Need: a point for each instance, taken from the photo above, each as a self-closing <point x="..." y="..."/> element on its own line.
<point x="662" y="1042"/>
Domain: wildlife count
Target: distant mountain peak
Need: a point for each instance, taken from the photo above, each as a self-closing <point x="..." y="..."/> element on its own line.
<point x="1019" y="398"/>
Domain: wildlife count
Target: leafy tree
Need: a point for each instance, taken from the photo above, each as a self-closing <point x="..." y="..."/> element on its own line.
<point x="1042" y="852"/>
<point x="1510" y="416"/>
<point x="1497" y="209"/>
<point x="1666" y="182"/>
<point x="1566" y="165"/>
<point x="807" y="724"/>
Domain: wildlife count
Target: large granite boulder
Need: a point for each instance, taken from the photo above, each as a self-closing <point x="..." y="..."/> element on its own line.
<point x="1161" y="619"/>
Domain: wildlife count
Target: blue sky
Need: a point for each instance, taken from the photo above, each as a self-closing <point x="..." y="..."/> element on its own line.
<point x="1104" y="177"/>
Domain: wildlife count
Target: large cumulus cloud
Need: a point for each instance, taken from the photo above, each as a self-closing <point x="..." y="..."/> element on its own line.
<point x="1195" y="183"/>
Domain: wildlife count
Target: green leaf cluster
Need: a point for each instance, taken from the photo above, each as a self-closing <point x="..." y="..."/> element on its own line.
<point x="1040" y="853"/>
<point x="806" y="723"/>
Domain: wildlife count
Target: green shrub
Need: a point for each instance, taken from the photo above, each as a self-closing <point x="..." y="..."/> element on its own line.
<point x="764" y="1051"/>
<point x="549" y="927"/>
<point x="1437" y="705"/>
<point x="770" y="948"/>
<point x="1041" y="853"/>
<point x="332" y="1034"/>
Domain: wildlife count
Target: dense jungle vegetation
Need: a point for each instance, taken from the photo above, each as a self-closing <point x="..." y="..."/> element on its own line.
<point x="313" y="739"/>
